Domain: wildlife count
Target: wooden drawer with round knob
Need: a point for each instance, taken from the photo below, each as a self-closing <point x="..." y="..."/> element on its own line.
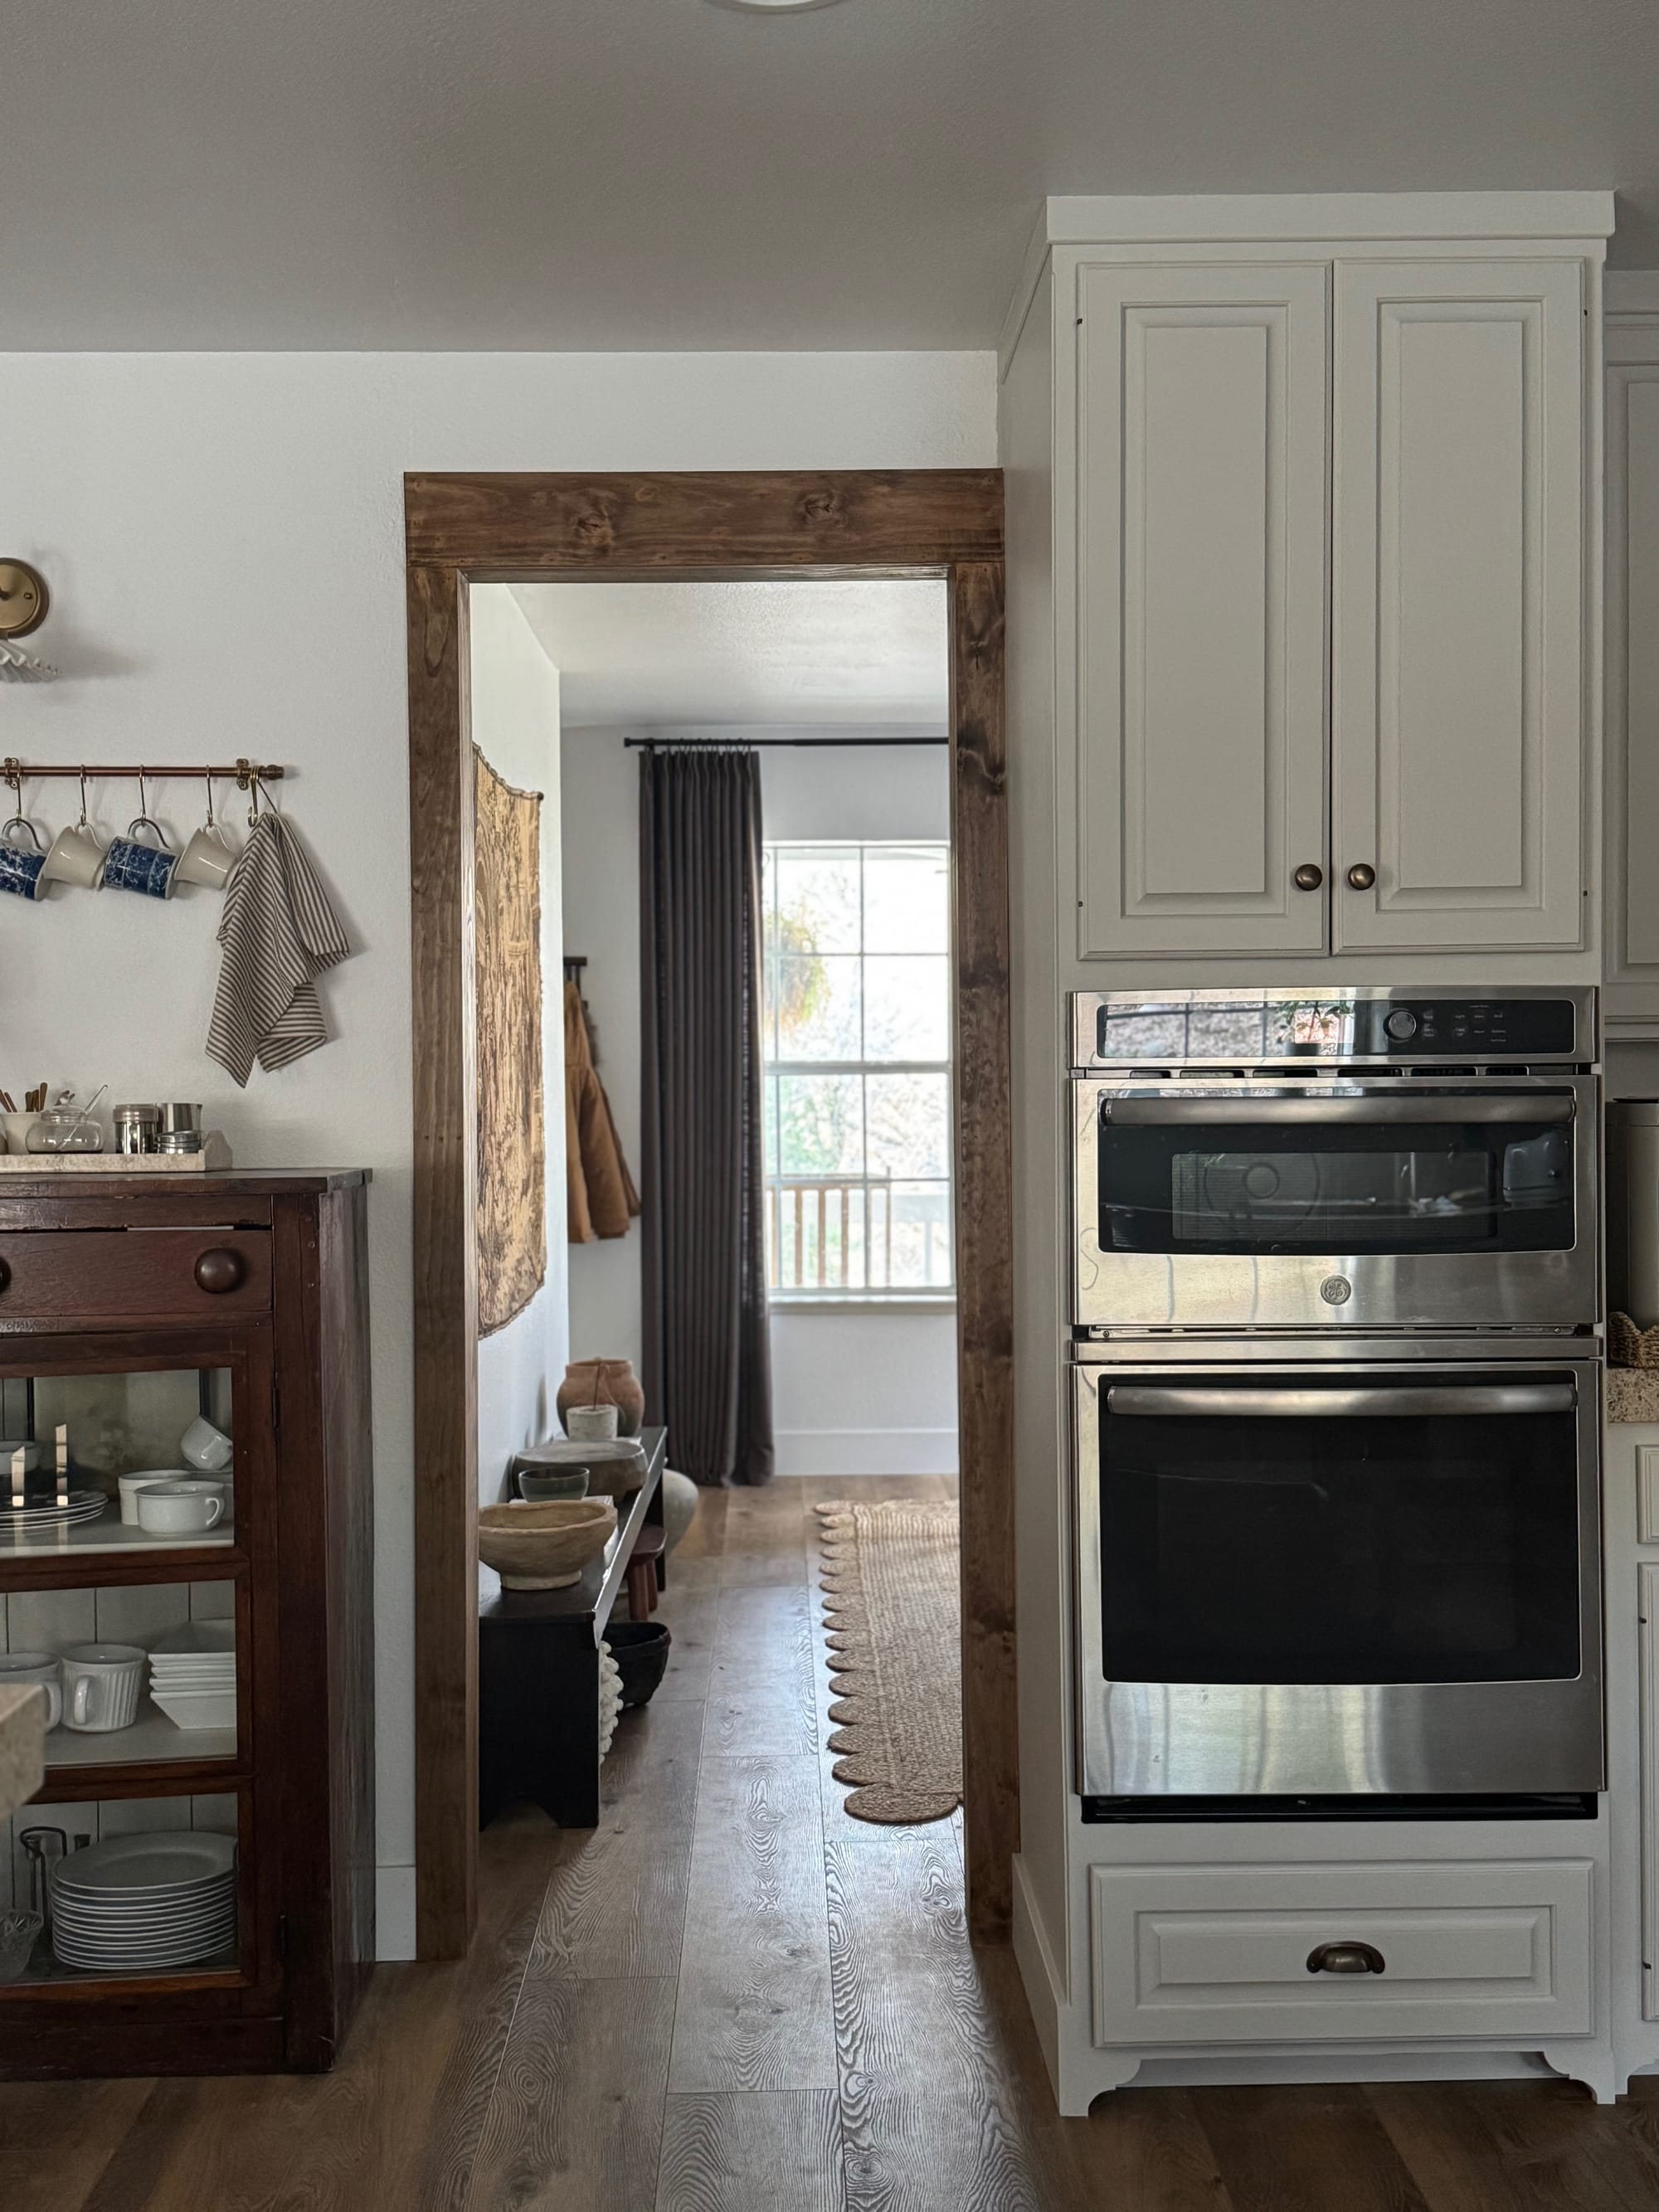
<point x="118" y="1279"/>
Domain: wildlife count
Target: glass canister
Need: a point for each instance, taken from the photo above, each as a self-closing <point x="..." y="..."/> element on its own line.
<point x="68" y="1127"/>
<point x="136" y="1129"/>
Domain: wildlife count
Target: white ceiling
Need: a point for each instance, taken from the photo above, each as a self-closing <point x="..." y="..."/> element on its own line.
<point x="870" y="655"/>
<point x="664" y="173"/>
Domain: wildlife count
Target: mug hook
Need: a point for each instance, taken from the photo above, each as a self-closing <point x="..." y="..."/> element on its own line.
<point x="254" y="795"/>
<point x="143" y="803"/>
<point x="209" y="788"/>
<point x="82" y="824"/>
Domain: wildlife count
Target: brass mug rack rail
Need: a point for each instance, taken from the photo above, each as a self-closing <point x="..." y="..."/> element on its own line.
<point x="241" y="773"/>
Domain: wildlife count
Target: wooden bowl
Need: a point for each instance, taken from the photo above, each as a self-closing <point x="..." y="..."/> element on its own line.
<point x="540" y="1547"/>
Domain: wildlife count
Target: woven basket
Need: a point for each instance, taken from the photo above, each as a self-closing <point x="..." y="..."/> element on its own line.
<point x="1630" y="1347"/>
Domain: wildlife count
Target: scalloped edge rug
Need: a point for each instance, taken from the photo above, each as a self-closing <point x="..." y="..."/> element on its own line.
<point x="890" y="1574"/>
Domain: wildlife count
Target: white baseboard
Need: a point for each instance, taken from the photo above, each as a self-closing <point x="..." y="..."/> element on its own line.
<point x="394" y="1913"/>
<point x="866" y="1451"/>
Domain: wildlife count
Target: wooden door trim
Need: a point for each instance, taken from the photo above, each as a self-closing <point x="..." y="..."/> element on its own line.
<point x="527" y="529"/>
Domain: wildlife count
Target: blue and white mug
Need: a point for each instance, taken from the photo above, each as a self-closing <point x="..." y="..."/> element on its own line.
<point x="132" y="866"/>
<point x="22" y="872"/>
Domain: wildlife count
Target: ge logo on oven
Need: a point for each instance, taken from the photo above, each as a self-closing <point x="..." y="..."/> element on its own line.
<point x="1336" y="1289"/>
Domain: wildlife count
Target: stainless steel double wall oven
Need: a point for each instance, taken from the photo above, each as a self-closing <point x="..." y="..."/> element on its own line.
<point x="1336" y="1391"/>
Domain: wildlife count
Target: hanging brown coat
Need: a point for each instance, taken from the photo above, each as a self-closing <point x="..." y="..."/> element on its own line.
<point x="602" y="1198"/>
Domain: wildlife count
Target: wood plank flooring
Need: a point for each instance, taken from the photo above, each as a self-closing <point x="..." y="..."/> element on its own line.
<point x="730" y="1997"/>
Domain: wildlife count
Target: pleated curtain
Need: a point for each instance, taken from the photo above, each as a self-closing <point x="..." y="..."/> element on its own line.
<point x="707" y="1359"/>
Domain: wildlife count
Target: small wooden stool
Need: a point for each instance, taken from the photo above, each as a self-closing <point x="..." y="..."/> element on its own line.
<point x="643" y="1571"/>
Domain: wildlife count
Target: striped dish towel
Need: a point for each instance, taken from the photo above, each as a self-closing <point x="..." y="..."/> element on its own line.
<point x="278" y="932"/>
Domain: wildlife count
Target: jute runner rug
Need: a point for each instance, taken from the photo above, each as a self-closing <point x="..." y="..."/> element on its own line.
<point x="890" y="1580"/>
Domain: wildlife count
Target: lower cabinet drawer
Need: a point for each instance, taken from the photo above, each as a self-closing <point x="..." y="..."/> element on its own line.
<point x="1229" y="1954"/>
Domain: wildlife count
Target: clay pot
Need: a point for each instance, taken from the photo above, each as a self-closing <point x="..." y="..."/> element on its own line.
<point x="605" y="1382"/>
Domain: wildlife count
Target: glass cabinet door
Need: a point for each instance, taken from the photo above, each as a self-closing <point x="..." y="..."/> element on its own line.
<point x="81" y="1449"/>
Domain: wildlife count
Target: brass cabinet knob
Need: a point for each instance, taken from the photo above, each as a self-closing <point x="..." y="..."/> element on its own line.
<point x="1362" y="875"/>
<point x="1345" y="1958"/>
<point x="1308" y="877"/>
<point x="220" y="1270"/>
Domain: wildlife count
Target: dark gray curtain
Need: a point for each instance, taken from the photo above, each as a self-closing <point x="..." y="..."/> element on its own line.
<point x="708" y="1360"/>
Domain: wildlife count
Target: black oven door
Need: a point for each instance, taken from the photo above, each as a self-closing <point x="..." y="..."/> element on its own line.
<point x="1358" y="1578"/>
<point x="1204" y="1205"/>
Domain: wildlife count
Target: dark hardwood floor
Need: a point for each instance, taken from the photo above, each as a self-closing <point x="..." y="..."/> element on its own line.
<point x="729" y="1997"/>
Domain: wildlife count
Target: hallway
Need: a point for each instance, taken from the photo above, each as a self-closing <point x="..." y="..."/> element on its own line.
<point x="732" y="1998"/>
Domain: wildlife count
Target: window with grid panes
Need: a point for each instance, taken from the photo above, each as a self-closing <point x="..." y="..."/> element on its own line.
<point x="858" y="1076"/>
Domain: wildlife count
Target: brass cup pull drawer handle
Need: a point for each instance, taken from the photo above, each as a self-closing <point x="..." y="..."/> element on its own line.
<point x="1362" y="875"/>
<point x="1308" y="877"/>
<point x="5" y="1274"/>
<point x="221" y="1270"/>
<point x="1345" y="1958"/>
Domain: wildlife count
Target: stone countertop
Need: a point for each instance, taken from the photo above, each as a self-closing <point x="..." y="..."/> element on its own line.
<point x="1633" y="1394"/>
<point x="22" y="1744"/>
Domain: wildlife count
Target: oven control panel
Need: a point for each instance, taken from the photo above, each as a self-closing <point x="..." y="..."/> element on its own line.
<point x="1481" y="1029"/>
<point x="1246" y="1030"/>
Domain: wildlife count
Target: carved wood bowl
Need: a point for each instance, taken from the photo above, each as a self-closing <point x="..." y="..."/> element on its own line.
<point x="541" y="1547"/>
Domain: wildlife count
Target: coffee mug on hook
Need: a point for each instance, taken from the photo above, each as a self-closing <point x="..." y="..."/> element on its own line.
<point x="209" y="857"/>
<point x="22" y="872"/>
<point x="77" y="857"/>
<point x="134" y="866"/>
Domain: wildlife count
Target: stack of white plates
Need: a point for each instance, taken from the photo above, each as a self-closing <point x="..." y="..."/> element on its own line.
<point x="193" y="1673"/>
<point x="42" y="1517"/>
<point x="145" y="1903"/>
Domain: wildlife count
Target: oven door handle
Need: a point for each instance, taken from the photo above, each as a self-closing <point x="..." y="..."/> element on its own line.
<point x="1424" y="1107"/>
<point x="1384" y="1402"/>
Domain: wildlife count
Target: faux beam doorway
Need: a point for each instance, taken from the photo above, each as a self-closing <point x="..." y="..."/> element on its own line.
<point x="527" y="529"/>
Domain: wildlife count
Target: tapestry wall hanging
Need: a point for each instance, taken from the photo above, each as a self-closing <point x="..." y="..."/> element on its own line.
<point x="511" y="1149"/>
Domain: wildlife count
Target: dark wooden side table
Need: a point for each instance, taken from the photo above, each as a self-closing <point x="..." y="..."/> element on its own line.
<point x="538" y="1675"/>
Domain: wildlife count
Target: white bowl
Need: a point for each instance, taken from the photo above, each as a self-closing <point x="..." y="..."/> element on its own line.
<point x="195" y="1709"/>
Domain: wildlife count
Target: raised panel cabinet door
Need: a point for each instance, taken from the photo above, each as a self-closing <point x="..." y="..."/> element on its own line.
<point x="1457" y="677"/>
<point x="1202" y="473"/>
<point x="1633" y="652"/>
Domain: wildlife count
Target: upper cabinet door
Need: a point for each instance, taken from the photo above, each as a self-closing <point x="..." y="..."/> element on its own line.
<point x="1457" y="681"/>
<point x="1202" y="609"/>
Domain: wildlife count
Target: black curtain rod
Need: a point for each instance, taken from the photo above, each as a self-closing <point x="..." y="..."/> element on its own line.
<point x="761" y="744"/>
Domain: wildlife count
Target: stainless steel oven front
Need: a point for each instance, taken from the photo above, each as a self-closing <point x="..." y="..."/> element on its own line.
<point x="1337" y="1571"/>
<point x="1368" y="1159"/>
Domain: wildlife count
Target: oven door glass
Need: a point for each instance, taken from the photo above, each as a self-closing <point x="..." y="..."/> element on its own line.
<point x="1430" y="1172"/>
<point x="1318" y="1530"/>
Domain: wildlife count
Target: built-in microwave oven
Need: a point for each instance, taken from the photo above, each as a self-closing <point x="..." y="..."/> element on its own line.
<point x="1362" y="1159"/>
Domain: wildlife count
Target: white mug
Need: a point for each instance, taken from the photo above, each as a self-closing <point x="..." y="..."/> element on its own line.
<point x="103" y="1683"/>
<point x="207" y="858"/>
<point x="131" y="1485"/>
<point x="180" y="1509"/>
<point x="75" y="857"/>
<point x="19" y="1669"/>
<point x="206" y="1447"/>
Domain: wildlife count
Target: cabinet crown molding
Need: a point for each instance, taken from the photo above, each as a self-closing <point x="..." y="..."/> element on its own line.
<point x="1582" y="221"/>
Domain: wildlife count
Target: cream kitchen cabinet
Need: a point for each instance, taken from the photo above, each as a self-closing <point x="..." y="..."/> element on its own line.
<point x="1202" y="549"/>
<point x="1334" y="501"/>
<point x="1633" y="403"/>
<point x="1458" y="578"/>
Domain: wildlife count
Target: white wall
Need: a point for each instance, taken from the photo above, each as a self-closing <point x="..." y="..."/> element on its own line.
<point x="860" y="1393"/>
<point x="515" y="725"/>
<point x="223" y="534"/>
<point x="602" y="923"/>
